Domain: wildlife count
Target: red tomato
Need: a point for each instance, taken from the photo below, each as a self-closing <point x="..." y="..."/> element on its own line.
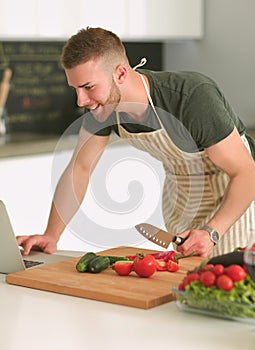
<point x="218" y="269"/>
<point x="161" y="265"/>
<point x="208" y="267"/>
<point x="193" y="276"/>
<point x="224" y="282"/>
<point x="145" y="266"/>
<point x="172" y="266"/>
<point x="236" y="272"/>
<point x="181" y="286"/>
<point x="207" y="278"/>
<point x="123" y="268"/>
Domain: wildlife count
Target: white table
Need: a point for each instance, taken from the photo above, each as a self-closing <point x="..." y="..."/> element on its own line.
<point x="33" y="319"/>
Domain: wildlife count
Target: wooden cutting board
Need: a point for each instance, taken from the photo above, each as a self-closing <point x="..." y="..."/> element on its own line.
<point x="106" y="286"/>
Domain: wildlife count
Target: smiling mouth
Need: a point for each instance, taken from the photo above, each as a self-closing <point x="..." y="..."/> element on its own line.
<point x="94" y="108"/>
<point x="101" y="111"/>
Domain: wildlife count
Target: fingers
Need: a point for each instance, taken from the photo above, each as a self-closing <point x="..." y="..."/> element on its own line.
<point x="184" y="234"/>
<point x="23" y="241"/>
<point x="185" y="247"/>
<point x="50" y="248"/>
<point x="28" y="244"/>
<point x="196" y="243"/>
<point x="40" y="242"/>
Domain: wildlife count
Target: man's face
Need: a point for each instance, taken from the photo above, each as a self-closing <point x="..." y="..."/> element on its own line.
<point x="95" y="88"/>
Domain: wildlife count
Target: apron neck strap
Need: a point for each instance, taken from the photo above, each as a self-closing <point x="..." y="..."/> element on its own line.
<point x="141" y="63"/>
<point x="150" y="100"/>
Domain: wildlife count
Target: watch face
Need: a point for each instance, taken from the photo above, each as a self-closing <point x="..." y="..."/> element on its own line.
<point x="215" y="236"/>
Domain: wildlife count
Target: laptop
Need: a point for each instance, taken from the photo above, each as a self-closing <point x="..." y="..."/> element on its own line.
<point x="11" y="259"/>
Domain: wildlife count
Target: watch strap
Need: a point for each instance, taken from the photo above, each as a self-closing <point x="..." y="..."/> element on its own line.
<point x="212" y="232"/>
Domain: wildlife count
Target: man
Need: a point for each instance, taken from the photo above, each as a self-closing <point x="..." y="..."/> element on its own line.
<point x="182" y="119"/>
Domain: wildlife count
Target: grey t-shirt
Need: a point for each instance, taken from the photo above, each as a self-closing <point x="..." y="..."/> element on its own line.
<point x="185" y="101"/>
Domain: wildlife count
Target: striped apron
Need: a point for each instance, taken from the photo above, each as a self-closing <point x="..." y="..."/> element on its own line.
<point x="194" y="187"/>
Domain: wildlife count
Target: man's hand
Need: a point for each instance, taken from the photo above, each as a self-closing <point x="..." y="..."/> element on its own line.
<point x="46" y="243"/>
<point x="197" y="242"/>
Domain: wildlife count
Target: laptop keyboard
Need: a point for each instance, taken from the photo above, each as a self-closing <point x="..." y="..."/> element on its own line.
<point x="30" y="263"/>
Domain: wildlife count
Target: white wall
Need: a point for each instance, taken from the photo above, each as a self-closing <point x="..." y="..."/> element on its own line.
<point x="107" y="217"/>
<point x="226" y="53"/>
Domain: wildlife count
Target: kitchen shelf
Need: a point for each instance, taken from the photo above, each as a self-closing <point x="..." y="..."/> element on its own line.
<point x="31" y="144"/>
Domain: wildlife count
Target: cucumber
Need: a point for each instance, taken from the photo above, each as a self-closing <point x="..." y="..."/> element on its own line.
<point x="113" y="259"/>
<point x="98" y="264"/>
<point x="82" y="264"/>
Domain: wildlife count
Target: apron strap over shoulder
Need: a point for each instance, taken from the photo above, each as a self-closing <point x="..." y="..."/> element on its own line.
<point x="141" y="63"/>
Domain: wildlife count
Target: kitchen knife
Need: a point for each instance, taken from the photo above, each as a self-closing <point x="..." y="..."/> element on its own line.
<point x="158" y="236"/>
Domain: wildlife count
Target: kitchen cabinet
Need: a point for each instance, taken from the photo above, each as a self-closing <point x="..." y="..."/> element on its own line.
<point x="130" y="19"/>
<point x="19" y="19"/>
<point x="165" y="19"/>
<point x="147" y="19"/>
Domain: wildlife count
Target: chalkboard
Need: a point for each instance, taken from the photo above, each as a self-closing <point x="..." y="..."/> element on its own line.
<point x="39" y="99"/>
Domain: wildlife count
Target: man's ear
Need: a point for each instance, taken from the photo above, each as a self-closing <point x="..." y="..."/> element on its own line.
<point x="120" y="74"/>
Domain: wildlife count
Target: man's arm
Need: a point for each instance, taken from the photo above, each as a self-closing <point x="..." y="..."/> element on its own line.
<point x="69" y="192"/>
<point x="232" y="157"/>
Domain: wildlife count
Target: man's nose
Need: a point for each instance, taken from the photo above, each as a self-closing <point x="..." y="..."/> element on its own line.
<point x="82" y="98"/>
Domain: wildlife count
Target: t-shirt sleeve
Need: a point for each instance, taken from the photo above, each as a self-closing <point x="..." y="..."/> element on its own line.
<point x="94" y="127"/>
<point x="208" y="116"/>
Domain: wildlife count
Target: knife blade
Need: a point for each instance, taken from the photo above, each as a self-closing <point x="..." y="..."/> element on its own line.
<point x="157" y="235"/>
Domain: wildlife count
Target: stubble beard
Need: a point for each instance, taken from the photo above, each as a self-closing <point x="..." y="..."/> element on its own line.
<point x="110" y="104"/>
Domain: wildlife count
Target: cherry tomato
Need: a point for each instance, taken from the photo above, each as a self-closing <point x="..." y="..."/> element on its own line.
<point x="172" y="266"/>
<point x="145" y="266"/>
<point x="235" y="272"/>
<point x="208" y="267"/>
<point x="181" y="286"/>
<point x="207" y="278"/>
<point x="161" y="265"/>
<point x="193" y="276"/>
<point x="218" y="269"/>
<point x="123" y="268"/>
<point x="224" y="282"/>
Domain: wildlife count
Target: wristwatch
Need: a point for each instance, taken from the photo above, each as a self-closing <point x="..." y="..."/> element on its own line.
<point x="214" y="235"/>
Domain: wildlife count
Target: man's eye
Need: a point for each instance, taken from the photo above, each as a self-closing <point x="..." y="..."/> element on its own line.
<point x="89" y="87"/>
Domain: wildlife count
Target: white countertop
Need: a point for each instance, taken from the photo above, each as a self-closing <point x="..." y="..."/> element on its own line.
<point x="33" y="319"/>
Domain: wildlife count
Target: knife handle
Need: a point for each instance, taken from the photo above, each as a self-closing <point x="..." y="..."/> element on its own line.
<point x="178" y="240"/>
